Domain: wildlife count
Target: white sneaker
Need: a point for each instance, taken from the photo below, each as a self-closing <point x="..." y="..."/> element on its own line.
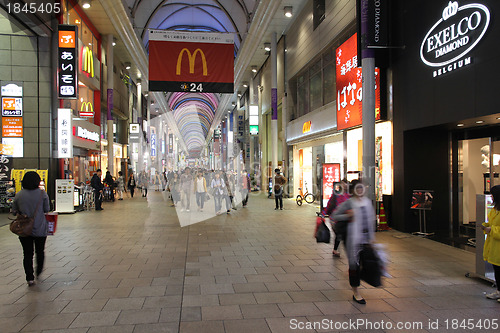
<point x="494" y="295"/>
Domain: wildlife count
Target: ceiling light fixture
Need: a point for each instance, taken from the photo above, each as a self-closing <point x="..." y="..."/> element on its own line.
<point x="479" y="121"/>
<point x="86" y="4"/>
<point x="460" y="125"/>
<point x="254" y="69"/>
<point x="267" y="47"/>
<point x="127" y="65"/>
<point x="233" y="104"/>
<point x="288" y="11"/>
<point x="114" y="41"/>
<point x="245" y="84"/>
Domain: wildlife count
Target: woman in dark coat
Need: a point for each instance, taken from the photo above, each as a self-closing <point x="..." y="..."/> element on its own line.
<point x="131" y="184"/>
<point x="32" y="201"/>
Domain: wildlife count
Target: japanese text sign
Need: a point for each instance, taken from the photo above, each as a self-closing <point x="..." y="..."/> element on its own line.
<point x="67" y="62"/>
<point x="64" y="133"/>
<point x="5" y="167"/>
<point x="349" y="86"/>
<point x="12" y="106"/>
<point x="12" y="127"/>
<point x="331" y="175"/>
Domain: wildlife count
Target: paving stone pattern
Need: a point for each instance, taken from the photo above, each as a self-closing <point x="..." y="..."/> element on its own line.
<point x="132" y="268"/>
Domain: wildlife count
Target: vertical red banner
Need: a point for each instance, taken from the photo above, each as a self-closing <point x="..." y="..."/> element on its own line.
<point x="349" y="86"/>
<point x="331" y="175"/>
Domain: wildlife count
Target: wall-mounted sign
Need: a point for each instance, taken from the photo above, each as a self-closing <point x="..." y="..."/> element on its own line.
<point x="12" y="106"/>
<point x="64" y="133"/>
<point x="117" y="150"/>
<point x="87" y="110"/>
<point x="87" y="61"/>
<point x="349" y="86"/>
<point x="12" y="127"/>
<point x="453" y="36"/>
<point x="67" y="79"/>
<point x="254" y="129"/>
<point x="5" y="167"/>
<point x="6" y="149"/>
<point x="86" y="134"/>
<point x="14" y="145"/>
<point x="306" y="127"/>
<point x="134" y="128"/>
<point x="12" y="89"/>
<point x="191" y="61"/>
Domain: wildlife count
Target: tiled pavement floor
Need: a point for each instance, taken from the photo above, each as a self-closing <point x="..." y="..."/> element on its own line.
<point x="131" y="268"/>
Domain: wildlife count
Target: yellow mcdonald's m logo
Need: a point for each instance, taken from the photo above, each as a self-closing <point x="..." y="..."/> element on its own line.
<point x="306" y="127"/>
<point x="191" y="58"/>
<point x="88" y="61"/>
<point x="87" y="106"/>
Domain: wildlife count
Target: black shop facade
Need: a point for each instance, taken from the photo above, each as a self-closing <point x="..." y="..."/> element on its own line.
<point x="444" y="66"/>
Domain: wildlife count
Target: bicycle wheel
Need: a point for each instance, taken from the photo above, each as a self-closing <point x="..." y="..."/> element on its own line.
<point x="299" y="200"/>
<point x="309" y="198"/>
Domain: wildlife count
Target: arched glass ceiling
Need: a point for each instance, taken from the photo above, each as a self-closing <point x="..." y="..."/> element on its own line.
<point x="193" y="113"/>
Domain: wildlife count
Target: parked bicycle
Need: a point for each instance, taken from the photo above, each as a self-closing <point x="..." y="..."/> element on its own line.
<point x="307" y="197"/>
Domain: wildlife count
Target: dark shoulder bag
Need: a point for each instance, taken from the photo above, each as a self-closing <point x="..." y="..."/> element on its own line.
<point x="23" y="224"/>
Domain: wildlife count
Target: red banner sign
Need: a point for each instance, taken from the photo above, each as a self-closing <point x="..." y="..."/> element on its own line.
<point x="331" y="175"/>
<point x="191" y="61"/>
<point x="349" y="86"/>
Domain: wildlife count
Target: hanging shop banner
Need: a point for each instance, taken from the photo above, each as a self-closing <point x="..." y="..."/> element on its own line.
<point x="349" y="86"/>
<point x="12" y="127"/>
<point x="447" y="45"/>
<point x="377" y="17"/>
<point x="65" y="195"/>
<point x="153" y="141"/>
<point x="331" y="175"/>
<point x="67" y="79"/>
<point x="170" y="143"/>
<point x="191" y="61"/>
<point x="5" y="167"/>
<point x="12" y="106"/>
<point x="64" y="133"/>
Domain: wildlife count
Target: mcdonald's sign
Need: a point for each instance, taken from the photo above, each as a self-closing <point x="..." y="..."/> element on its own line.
<point x="191" y="58"/>
<point x="209" y="66"/>
<point x="87" y="110"/>
<point x="87" y="61"/>
<point x="306" y="127"/>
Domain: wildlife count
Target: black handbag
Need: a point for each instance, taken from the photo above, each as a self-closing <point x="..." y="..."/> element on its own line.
<point x="369" y="264"/>
<point x="323" y="233"/>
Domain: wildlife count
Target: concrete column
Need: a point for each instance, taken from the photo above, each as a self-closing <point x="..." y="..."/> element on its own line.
<point x="148" y="150"/>
<point x="274" y="102"/>
<point x="109" y="54"/>
<point x="368" y="65"/>
<point x="284" y="118"/>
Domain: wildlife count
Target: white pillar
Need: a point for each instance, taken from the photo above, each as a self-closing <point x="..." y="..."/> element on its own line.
<point x="139" y="121"/>
<point x="274" y="102"/>
<point x="109" y="51"/>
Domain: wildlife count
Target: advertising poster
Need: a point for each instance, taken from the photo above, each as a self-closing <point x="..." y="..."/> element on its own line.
<point x="422" y="199"/>
<point x="331" y="175"/>
<point x="191" y="61"/>
<point x="65" y="195"/>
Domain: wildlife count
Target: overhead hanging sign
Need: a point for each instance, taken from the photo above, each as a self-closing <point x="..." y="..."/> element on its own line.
<point x="447" y="45"/>
<point x="67" y="80"/>
<point x="191" y="61"/>
<point x="349" y="86"/>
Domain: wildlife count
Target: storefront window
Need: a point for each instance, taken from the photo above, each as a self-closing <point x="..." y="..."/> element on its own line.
<point x="315" y="91"/>
<point x="329" y="83"/>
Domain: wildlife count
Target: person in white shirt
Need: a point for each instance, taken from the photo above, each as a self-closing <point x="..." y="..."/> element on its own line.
<point x="200" y="190"/>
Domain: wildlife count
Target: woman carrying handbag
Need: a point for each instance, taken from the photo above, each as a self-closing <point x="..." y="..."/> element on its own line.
<point x="32" y="201"/>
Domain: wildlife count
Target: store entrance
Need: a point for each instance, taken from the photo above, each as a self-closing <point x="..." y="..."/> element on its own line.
<point x="475" y="158"/>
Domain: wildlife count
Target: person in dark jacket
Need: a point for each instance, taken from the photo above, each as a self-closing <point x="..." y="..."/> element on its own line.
<point x="33" y="202"/>
<point x="131" y="184"/>
<point x="96" y="183"/>
<point x="111" y="184"/>
<point x="279" y="182"/>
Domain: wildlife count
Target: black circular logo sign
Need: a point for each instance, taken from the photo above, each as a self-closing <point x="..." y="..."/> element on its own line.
<point x="455" y="34"/>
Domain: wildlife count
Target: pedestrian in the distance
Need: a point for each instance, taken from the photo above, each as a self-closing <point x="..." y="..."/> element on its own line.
<point x="279" y="181"/>
<point x="131" y="184"/>
<point x="96" y="183"/>
<point x="120" y="188"/>
<point x="33" y="202"/>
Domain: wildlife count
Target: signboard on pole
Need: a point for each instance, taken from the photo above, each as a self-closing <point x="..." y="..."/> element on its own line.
<point x="64" y="133"/>
<point x="67" y="71"/>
